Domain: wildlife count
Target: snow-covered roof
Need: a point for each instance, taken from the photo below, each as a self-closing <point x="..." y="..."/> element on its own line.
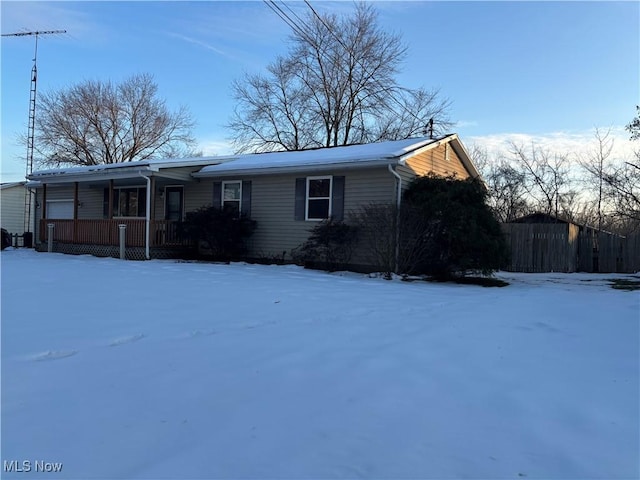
<point x="350" y="155"/>
<point x="122" y="169"/>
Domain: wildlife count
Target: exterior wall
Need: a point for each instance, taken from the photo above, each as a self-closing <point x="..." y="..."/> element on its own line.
<point x="273" y="205"/>
<point x="198" y="194"/>
<point x="12" y="208"/>
<point x="91" y="202"/>
<point x="441" y="160"/>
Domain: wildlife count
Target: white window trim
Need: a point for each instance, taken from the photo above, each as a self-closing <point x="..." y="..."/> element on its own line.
<point x="222" y="195"/>
<point x="306" y="199"/>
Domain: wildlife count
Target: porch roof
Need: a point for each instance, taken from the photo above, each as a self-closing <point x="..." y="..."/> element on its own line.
<point x="158" y="167"/>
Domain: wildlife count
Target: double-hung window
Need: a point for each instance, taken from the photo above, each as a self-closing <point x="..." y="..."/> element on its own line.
<point x="318" y="199"/>
<point x="232" y="196"/>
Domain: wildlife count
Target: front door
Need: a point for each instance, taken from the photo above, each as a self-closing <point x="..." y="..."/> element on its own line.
<point x="174" y="199"/>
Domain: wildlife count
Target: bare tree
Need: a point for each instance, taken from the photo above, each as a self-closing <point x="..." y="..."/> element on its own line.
<point x="336" y="86"/>
<point x="505" y="184"/>
<point x="546" y="178"/>
<point x="98" y="122"/>
<point x="634" y="125"/>
<point x="623" y="184"/>
<point x="615" y="182"/>
<point x="596" y="165"/>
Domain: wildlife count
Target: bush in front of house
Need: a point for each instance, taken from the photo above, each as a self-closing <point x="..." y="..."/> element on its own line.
<point x="456" y="230"/>
<point x="222" y="231"/>
<point x="329" y="247"/>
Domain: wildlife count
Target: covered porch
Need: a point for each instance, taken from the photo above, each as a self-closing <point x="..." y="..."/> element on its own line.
<point x="80" y="210"/>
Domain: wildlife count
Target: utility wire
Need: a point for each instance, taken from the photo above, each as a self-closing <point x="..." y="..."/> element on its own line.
<point x="302" y="32"/>
<point x="339" y="40"/>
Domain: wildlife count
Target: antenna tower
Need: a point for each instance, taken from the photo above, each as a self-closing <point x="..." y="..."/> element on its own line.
<point x="32" y="118"/>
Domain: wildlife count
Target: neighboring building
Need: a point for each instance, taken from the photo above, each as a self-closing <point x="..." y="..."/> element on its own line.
<point x="12" y="205"/>
<point x="287" y="193"/>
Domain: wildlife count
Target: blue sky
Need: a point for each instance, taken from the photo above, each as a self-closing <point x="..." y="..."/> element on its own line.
<point x="547" y="71"/>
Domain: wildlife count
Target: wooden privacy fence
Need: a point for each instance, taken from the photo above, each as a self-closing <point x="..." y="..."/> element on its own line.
<point x="566" y="247"/>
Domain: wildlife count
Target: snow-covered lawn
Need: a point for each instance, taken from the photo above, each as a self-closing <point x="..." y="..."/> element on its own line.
<point x="164" y="369"/>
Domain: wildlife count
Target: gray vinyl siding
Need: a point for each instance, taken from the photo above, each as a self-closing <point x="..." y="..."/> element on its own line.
<point x="407" y="176"/>
<point x="91" y="203"/>
<point x="198" y="194"/>
<point x="273" y="206"/>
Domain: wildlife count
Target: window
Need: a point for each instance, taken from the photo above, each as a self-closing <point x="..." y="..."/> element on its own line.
<point x="129" y="202"/>
<point x="232" y="196"/>
<point x="318" y="203"/>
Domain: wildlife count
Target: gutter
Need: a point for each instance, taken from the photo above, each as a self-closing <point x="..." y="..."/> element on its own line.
<point x="292" y="169"/>
<point x="106" y="174"/>
<point x="398" y="200"/>
<point x="147" y="216"/>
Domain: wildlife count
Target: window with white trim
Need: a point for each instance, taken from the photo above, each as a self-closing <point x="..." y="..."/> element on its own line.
<point x="232" y="196"/>
<point x="318" y="199"/>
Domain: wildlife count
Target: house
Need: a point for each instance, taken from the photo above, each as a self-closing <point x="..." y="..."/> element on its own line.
<point x="287" y="193"/>
<point x="16" y="209"/>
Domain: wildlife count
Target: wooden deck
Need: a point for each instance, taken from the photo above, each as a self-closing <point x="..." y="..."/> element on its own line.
<point x="106" y="232"/>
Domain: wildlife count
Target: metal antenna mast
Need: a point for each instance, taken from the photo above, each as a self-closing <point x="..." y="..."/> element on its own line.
<point x="32" y="118"/>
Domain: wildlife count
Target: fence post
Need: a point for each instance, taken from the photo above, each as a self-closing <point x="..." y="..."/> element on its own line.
<point x="50" y="237"/>
<point x="123" y="236"/>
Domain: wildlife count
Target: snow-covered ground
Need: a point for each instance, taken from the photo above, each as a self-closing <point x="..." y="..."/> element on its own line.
<point x="164" y="369"/>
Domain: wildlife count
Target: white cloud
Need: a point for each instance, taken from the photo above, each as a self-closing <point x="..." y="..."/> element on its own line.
<point x="575" y="144"/>
<point x="215" y="146"/>
<point x="200" y="43"/>
<point x="466" y="123"/>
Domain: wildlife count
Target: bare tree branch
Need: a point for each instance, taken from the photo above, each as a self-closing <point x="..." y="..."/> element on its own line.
<point x="336" y="86"/>
<point x="100" y="122"/>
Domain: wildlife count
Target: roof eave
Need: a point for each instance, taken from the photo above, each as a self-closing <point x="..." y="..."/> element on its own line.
<point x="325" y="167"/>
<point x="106" y="174"/>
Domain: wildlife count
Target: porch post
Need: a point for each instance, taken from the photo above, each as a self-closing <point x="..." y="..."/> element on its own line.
<point x="152" y="210"/>
<point x="110" y="199"/>
<point x="147" y="216"/>
<point x="44" y="201"/>
<point x="75" y="211"/>
<point x="44" y="212"/>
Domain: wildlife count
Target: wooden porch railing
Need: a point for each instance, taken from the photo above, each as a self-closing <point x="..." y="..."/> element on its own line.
<point x="106" y="232"/>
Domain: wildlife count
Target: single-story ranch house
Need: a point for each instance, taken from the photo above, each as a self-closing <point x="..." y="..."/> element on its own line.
<point x="286" y="193"/>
